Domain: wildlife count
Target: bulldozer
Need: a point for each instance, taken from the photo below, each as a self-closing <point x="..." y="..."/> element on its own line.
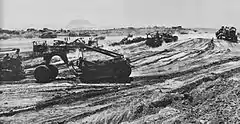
<point x="11" y="67"/>
<point x="127" y="40"/>
<point x="116" y="69"/>
<point x="227" y="33"/>
<point x="156" y="40"/>
<point x="167" y="37"/>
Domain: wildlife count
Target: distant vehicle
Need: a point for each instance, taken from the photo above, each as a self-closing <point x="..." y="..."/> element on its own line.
<point x="169" y="37"/>
<point x="156" y="40"/>
<point x="11" y="67"/>
<point x="129" y="40"/>
<point x="48" y="35"/>
<point x="100" y="38"/>
<point x="73" y="34"/>
<point x="227" y="33"/>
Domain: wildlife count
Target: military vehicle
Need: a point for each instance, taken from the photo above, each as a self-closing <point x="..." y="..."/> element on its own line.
<point x="156" y="40"/>
<point x="227" y="33"/>
<point x="153" y="40"/>
<point x="11" y="66"/>
<point x="167" y="37"/>
<point x="48" y="35"/>
<point x="127" y="40"/>
<point x="116" y="69"/>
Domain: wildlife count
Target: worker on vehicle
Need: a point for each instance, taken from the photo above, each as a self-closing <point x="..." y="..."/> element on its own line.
<point x="221" y="29"/>
<point x="157" y="35"/>
<point x="227" y="31"/>
<point x="6" y="57"/>
<point x="45" y="43"/>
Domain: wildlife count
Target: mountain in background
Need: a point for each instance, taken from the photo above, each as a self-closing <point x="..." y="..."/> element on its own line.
<point x="80" y="24"/>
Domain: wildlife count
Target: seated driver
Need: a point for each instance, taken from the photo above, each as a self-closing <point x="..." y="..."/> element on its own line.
<point x="6" y="57"/>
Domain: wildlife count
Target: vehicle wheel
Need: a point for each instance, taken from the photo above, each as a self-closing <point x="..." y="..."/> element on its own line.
<point x="235" y="39"/>
<point x="175" y="38"/>
<point x="123" y="71"/>
<point x="42" y="74"/>
<point x="54" y="71"/>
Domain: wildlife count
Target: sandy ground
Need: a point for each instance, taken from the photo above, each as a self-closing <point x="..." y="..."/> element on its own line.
<point x="194" y="80"/>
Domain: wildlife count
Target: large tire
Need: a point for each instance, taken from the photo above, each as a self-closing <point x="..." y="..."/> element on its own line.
<point x="54" y="71"/>
<point x="234" y="39"/>
<point x="42" y="74"/>
<point x="123" y="71"/>
<point x="122" y="74"/>
<point x="175" y="38"/>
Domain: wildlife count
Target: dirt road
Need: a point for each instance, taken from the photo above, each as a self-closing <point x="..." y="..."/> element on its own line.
<point x="189" y="81"/>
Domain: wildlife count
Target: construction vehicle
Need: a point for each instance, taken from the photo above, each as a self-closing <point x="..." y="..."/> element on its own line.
<point x="129" y="40"/>
<point x="153" y="40"/>
<point x="156" y="40"/>
<point x="100" y="38"/>
<point x="117" y="69"/>
<point x="10" y="66"/>
<point x="48" y="35"/>
<point x="167" y="37"/>
<point x="227" y="33"/>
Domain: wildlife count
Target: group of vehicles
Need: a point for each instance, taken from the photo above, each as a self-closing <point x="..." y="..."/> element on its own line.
<point x="116" y="69"/>
<point x="152" y="40"/>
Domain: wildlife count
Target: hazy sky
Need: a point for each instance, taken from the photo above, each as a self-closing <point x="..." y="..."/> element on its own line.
<point x="58" y="13"/>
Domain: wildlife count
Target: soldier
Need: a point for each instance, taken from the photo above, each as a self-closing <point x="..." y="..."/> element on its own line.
<point x="157" y="35"/>
<point x="147" y="35"/>
<point x="227" y="31"/>
<point x="221" y="29"/>
<point x="6" y="57"/>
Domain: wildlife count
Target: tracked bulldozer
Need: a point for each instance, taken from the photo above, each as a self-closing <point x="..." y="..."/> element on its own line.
<point x="126" y="40"/>
<point x="156" y="40"/>
<point x="168" y="38"/>
<point x="227" y="33"/>
<point x="117" y="69"/>
<point x="11" y="67"/>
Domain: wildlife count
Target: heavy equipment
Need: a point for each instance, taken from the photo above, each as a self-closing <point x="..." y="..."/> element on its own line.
<point x="167" y="37"/>
<point x="156" y="40"/>
<point x="153" y="40"/>
<point x="48" y="35"/>
<point x="127" y="40"/>
<point x="227" y="33"/>
<point x="11" y="66"/>
<point x="116" y="69"/>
